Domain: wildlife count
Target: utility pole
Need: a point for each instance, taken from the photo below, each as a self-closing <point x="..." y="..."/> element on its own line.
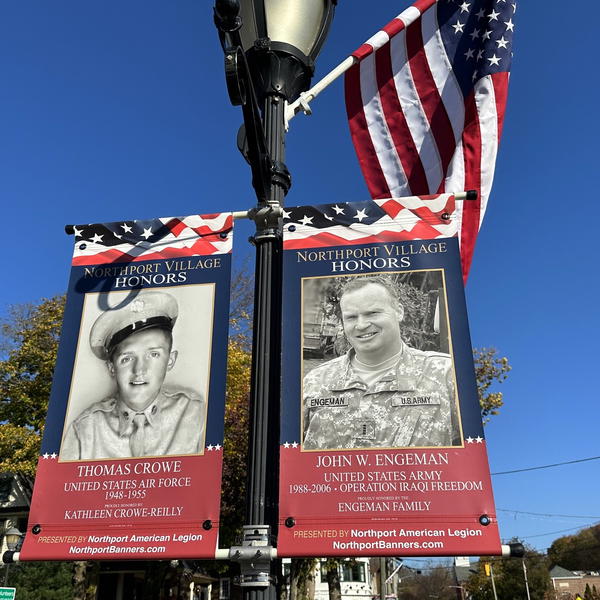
<point x="526" y="582"/>
<point x="493" y="582"/>
<point x="382" y="577"/>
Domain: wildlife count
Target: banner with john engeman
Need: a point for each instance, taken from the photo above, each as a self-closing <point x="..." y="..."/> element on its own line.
<point x="382" y="447"/>
<point x="132" y="449"/>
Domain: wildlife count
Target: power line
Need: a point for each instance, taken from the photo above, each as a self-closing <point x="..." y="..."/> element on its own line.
<point x="568" y="462"/>
<point x="559" y="531"/>
<point x="524" y="512"/>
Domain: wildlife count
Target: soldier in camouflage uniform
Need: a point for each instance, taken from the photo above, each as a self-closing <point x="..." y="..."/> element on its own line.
<point x="382" y="393"/>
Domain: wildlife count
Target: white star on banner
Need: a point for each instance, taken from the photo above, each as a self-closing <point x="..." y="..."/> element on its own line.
<point x="510" y="26"/>
<point x="464" y="7"/>
<point x="458" y="26"/>
<point x="479" y="440"/>
<point x="486" y="34"/>
<point x="286" y="445"/>
<point x="474" y="34"/>
<point x="295" y="445"/>
<point x="470" y="440"/>
<point x="286" y="214"/>
<point x="328" y="217"/>
<point x="361" y="214"/>
<point x="502" y="42"/>
<point x="494" y="60"/>
<point x="147" y="232"/>
<point x="480" y="14"/>
<point x="338" y="210"/>
<point x="77" y="232"/>
<point x="126" y="228"/>
<point x="493" y="16"/>
<point x="306" y="220"/>
<point x="217" y="446"/>
<point x="470" y="53"/>
<point x="53" y="456"/>
<point x="210" y="447"/>
<point x="45" y="456"/>
<point x="96" y="239"/>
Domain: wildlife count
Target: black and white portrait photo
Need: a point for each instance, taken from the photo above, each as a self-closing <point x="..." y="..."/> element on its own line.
<point x="141" y="374"/>
<point x="377" y="362"/>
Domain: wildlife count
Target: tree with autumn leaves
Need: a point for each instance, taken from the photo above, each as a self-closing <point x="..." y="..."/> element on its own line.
<point x="29" y="341"/>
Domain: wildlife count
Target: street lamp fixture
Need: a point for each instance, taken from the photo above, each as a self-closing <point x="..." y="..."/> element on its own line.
<point x="282" y="39"/>
<point x="14" y="539"/>
<point x="270" y="47"/>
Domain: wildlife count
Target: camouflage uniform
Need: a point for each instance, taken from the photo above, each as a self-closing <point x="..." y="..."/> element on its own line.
<point x="412" y="404"/>
<point x="175" y="424"/>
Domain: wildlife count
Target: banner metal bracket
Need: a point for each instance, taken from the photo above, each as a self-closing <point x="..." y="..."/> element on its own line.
<point x="254" y="556"/>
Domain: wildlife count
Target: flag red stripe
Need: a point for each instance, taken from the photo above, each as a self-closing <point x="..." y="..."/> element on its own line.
<point x="433" y="106"/>
<point x="397" y="125"/>
<point x="472" y="158"/>
<point x="200" y="248"/>
<point x="361" y="138"/>
<point x="319" y="240"/>
<point x="176" y="226"/>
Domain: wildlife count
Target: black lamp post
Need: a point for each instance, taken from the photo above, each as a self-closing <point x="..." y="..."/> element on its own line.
<point x="270" y="47"/>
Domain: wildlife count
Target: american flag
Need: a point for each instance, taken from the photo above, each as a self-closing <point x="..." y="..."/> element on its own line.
<point x="169" y="237"/>
<point x="370" y="221"/>
<point x="426" y="103"/>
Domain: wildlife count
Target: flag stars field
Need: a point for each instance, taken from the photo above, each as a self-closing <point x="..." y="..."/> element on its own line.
<point x="360" y="215"/>
<point x="458" y="27"/>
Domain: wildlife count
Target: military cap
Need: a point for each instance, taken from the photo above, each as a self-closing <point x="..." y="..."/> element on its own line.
<point x="146" y="310"/>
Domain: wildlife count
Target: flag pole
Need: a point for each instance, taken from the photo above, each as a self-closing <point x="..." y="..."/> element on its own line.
<point x="302" y="103"/>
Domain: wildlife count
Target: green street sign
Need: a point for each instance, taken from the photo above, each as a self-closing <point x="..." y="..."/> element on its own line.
<point x="7" y="593"/>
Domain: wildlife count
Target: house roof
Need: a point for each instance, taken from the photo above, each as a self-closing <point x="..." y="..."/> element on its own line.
<point x="463" y="573"/>
<point x="558" y="572"/>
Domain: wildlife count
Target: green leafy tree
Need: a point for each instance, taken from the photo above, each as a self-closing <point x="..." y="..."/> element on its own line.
<point x="434" y="581"/>
<point x="490" y="369"/>
<point x="29" y="341"/>
<point x="509" y="577"/>
<point x="41" y="580"/>
<point x="577" y="552"/>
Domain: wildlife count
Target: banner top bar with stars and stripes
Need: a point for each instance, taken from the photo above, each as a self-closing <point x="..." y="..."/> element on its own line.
<point x="410" y="218"/>
<point x="154" y="239"/>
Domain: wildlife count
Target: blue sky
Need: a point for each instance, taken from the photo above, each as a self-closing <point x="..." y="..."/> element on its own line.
<point x="118" y="110"/>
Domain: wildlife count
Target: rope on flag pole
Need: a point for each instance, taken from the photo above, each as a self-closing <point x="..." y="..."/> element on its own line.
<point x="302" y="103"/>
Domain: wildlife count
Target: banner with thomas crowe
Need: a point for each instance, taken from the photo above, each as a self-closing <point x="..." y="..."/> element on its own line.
<point x="132" y="450"/>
